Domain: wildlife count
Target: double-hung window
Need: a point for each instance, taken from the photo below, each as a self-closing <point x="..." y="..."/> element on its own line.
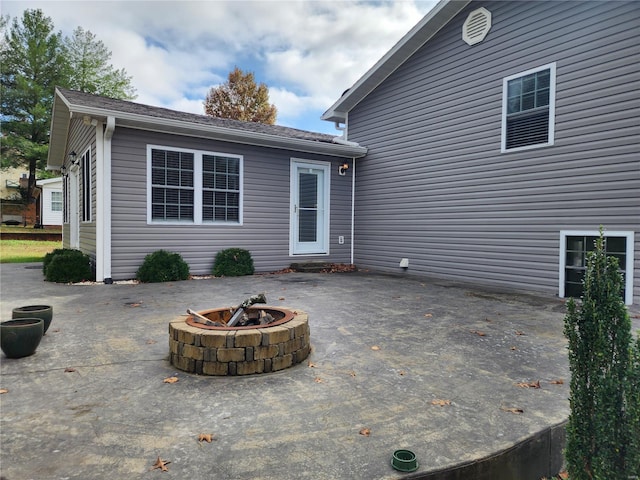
<point x="220" y="188"/>
<point x="172" y="185"/>
<point x="56" y="201"/>
<point x="86" y="186"/>
<point x="193" y="186"/>
<point x="66" y="183"/>
<point x="528" y="109"/>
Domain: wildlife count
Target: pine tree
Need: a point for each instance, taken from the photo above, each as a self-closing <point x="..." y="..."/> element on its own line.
<point x="32" y="65"/>
<point x="35" y="60"/>
<point x="90" y="70"/>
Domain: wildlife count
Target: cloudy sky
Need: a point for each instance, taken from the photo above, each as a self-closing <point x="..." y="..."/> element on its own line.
<point x="307" y="52"/>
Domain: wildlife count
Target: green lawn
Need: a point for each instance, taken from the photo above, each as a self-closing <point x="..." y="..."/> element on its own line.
<point x="30" y="230"/>
<point x="22" y="251"/>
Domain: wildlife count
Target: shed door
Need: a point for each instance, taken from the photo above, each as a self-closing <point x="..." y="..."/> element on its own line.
<point x="309" y="208"/>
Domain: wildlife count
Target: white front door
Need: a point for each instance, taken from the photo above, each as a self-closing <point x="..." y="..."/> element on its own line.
<point x="309" y="207"/>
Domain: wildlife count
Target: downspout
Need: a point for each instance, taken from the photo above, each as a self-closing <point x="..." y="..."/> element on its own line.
<point x="108" y="135"/>
<point x="353" y="208"/>
<point x="342" y="140"/>
<point x="99" y="219"/>
<point x="103" y="197"/>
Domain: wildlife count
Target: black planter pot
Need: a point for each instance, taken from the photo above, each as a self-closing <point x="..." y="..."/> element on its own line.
<point x="21" y="336"/>
<point x="45" y="312"/>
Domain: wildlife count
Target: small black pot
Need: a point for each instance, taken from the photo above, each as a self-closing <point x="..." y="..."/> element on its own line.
<point x="45" y="312"/>
<point x="21" y="336"/>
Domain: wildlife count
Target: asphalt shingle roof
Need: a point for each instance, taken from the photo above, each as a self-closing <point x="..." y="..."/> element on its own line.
<point x="112" y="104"/>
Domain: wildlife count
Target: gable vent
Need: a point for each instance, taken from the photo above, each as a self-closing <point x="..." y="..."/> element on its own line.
<point x="476" y="26"/>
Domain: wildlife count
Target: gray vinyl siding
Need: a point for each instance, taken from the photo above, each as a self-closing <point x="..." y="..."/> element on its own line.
<point x="434" y="186"/>
<point x="82" y="137"/>
<point x="265" y="228"/>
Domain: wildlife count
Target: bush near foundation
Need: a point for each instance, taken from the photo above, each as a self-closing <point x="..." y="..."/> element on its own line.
<point x="67" y="265"/>
<point x="163" y="266"/>
<point x="603" y="431"/>
<point x="233" y="262"/>
<point x="49" y="256"/>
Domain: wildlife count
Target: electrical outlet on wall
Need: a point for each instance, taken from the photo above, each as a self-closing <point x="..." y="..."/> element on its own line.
<point x="341" y="239"/>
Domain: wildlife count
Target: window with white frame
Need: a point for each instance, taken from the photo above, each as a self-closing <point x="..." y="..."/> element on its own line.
<point x="194" y="186"/>
<point x="574" y="249"/>
<point x="220" y="188"/>
<point x="528" y="109"/>
<point x="86" y="186"/>
<point x="65" y="191"/>
<point x="56" y="201"/>
<point x="172" y="185"/>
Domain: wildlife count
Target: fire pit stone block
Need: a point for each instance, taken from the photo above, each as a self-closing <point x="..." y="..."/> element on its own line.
<point x="239" y="351"/>
<point x="247" y="338"/>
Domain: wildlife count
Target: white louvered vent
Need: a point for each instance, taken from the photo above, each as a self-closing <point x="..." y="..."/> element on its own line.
<point x="476" y="26"/>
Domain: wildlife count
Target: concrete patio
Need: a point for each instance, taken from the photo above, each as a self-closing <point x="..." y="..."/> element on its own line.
<point x="386" y="352"/>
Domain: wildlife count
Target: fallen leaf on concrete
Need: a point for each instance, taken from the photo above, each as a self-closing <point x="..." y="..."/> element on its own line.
<point x="365" y="432"/>
<point x="428" y="315"/>
<point x="513" y="348"/>
<point x="161" y="464"/>
<point x="318" y="380"/>
<point x="478" y="332"/>
<point x="170" y="380"/>
<point x="559" y="381"/>
<point x="441" y="403"/>
<point x="339" y="268"/>
<point x="535" y="384"/>
<point x="3" y="390"/>
<point x="375" y="347"/>
<point x="55" y="330"/>
<point x="281" y="298"/>
<point x="151" y="342"/>
<point x="512" y="410"/>
<point x="352" y="373"/>
<point x="311" y="364"/>
<point x="70" y="370"/>
<point x="134" y="304"/>
<point x="402" y="373"/>
<point x="520" y="333"/>
<point x="205" y="437"/>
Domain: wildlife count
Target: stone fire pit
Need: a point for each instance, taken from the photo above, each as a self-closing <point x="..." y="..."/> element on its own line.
<point x="220" y="350"/>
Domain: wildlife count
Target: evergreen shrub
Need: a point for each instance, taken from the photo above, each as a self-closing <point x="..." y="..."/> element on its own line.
<point x="67" y="265"/>
<point x="603" y="431"/>
<point x="49" y="256"/>
<point x="233" y="262"/>
<point x="162" y="266"/>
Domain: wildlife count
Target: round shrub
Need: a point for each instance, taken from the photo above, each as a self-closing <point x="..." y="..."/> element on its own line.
<point x="49" y="256"/>
<point x="163" y="266"/>
<point x="66" y="265"/>
<point x="233" y="262"/>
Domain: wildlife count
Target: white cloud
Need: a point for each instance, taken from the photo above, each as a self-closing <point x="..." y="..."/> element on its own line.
<point x="307" y="52"/>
